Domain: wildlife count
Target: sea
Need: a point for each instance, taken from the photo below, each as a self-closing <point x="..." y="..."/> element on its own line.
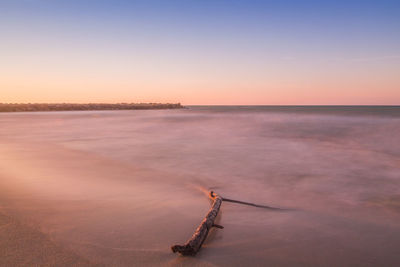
<point x="120" y="187"/>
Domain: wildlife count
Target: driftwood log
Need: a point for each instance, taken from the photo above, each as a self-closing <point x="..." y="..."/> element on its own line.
<point x="193" y="245"/>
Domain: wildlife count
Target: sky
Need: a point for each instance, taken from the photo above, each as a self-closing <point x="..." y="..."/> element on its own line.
<point x="205" y="52"/>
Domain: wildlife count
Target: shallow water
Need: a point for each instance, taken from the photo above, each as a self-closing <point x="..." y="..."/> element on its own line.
<point x="121" y="187"/>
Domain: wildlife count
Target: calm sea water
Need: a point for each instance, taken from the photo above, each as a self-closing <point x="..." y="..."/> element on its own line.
<point x="337" y="167"/>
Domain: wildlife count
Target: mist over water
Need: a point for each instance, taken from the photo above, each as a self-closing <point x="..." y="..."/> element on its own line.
<point x="120" y="187"/>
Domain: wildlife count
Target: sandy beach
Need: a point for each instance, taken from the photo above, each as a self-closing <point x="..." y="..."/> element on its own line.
<point x="118" y="188"/>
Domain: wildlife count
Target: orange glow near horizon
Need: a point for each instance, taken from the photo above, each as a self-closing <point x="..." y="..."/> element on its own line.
<point x="112" y="78"/>
<point x="301" y="90"/>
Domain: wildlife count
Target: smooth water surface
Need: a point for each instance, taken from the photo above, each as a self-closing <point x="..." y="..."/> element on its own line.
<point x="120" y="187"/>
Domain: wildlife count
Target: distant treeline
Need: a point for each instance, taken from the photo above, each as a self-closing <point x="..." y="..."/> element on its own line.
<point x="91" y="106"/>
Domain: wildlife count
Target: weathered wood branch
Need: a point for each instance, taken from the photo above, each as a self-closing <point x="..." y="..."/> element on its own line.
<point x="193" y="245"/>
<point x="252" y="204"/>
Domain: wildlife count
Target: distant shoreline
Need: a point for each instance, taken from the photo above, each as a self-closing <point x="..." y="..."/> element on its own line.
<point x="81" y="107"/>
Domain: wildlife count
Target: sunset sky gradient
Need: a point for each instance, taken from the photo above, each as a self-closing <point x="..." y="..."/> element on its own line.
<point x="200" y="52"/>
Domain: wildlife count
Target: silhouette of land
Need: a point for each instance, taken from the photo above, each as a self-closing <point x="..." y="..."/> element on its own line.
<point x="6" y="107"/>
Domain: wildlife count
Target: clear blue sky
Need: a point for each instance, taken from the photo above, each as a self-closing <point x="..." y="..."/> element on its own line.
<point x="200" y="52"/>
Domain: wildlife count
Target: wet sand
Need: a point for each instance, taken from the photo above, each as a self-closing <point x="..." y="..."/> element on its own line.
<point x="21" y="245"/>
<point x="119" y="188"/>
